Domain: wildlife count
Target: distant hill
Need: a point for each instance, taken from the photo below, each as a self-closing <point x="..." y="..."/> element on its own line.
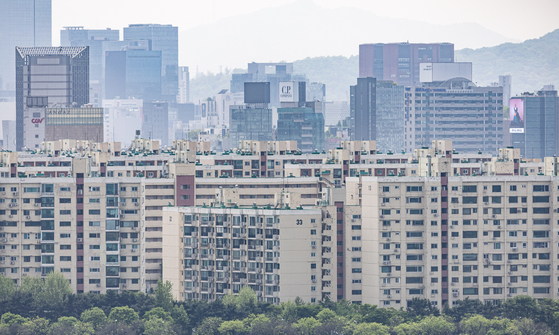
<point x="532" y="64"/>
<point x="303" y="28"/>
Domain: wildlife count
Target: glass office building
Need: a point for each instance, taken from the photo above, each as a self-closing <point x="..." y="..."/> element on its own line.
<point x="303" y="125"/>
<point x="249" y="123"/>
<point x="74" y="123"/>
<point x="23" y="23"/>
<point x="133" y="74"/>
<point x="390" y="108"/>
<point x="164" y="38"/>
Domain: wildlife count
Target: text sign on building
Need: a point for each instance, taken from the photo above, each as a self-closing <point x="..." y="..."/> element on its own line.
<point x="288" y="91"/>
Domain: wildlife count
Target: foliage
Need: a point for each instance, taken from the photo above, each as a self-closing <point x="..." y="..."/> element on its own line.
<point x="164" y="295"/>
<point x="123" y="314"/>
<point x="94" y="316"/>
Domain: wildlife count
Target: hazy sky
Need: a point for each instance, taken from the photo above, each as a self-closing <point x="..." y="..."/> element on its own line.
<point x="515" y="19"/>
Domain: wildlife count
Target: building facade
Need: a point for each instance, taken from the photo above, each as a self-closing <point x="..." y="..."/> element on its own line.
<point x="534" y="123"/>
<point x="249" y="123"/>
<point x="84" y="123"/>
<point x="456" y="110"/>
<point x="121" y="119"/>
<point x="391" y="116"/>
<point x="163" y="38"/>
<point x="362" y="107"/>
<point x="48" y="77"/>
<point x="302" y="124"/>
<point x="156" y="121"/>
<point x="400" y="62"/>
<point x="184" y="85"/>
<point x="133" y="74"/>
<point x="23" y="23"/>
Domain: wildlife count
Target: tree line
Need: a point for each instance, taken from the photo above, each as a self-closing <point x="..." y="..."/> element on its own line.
<point x="48" y="306"/>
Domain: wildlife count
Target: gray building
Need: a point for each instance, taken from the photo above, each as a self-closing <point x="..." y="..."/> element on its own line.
<point x="9" y="135"/>
<point x="96" y="40"/>
<point x="23" y="23"/>
<point x="164" y="38"/>
<point x="390" y="109"/>
<point x="362" y="107"/>
<point x="456" y="110"/>
<point x="156" y="121"/>
<point x="304" y="124"/>
<point x="48" y="77"/>
<point x="506" y="83"/>
<point x="184" y="85"/>
<point x="534" y="123"/>
<point x="250" y="123"/>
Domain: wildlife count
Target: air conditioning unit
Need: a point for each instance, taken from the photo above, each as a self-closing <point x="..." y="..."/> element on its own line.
<point x="435" y="215"/>
<point x="454" y="294"/>
<point x="12" y="262"/>
<point x="133" y="250"/>
<point x="509" y="261"/>
<point x="494" y="215"/>
<point x="28" y="217"/>
<point x="134" y="240"/>
<point x="314" y="280"/>
<point x="15" y="193"/>
<point x="509" y="295"/>
<point x="486" y="203"/>
<point x="36" y="204"/>
<point x="389" y="274"/>
<point x="80" y="240"/>
<point x="514" y="249"/>
<point x="388" y="239"/>
<point x="510" y="272"/>
<point x="396" y="250"/>
<point x="4" y="240"/>
<point x="389" y="296"/>
<point x="124" y="285"/>
<point x="382" y="216"/>
<point x="136" y="204"/>
<point x="494" y="238"/>
<point x="11" y="216"/>
<point x="134" y="228"/>
<point x="453" y="284"/>
<point x="98" y="285"/>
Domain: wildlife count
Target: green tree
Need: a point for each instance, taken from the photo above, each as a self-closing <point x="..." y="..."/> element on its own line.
<point x="289" y="311"/>
<point x="371" y="329"/>
<point x="179" y="315"/>
<point x="210" y="326"/>
<point x="234" y="327"/>
<point x="156" y="326"/>
<point x="94" y="316"/>
<point x="7" y="288"/>
<point x="529" y="327"/>
<point x="37" y="326"/>
<point x="67" y="320"/>
<point x="259" y="324"/>
<point x="422" y="307"/>
<point x="69" y="327"/>
<point x="123" y="314"/>
<point x="164" y="295"/>
<point x="432" y="325"/>
<point x="158" y="313"/>
<point x="9" y="319"/>
<point x="521" y="306"/>
<point x="307" y="326"/>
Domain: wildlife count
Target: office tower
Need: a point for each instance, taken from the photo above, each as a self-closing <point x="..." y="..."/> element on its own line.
<point x="223" y="100"/>
<point x="455" y="110"/>
<point x="123" y="117"/>
<point x="96" y="40"/>
<point x="399" y="62"/>
<point x="253" y="120"/>
<point x="156" y="121"/>
<point x="363" y="118"/>
<point x="304" y="124"/>
<point x="273" y="73"/>
<point x="184" y="85"/>
<point x="48" y="77"/>
<point x="506" y="83"/>
<point x="23" y="23"/>
<point x="9" y="135"/>
<point x="162" y="38"/>
<point x="133" y="74"/>
<point x="391" y="113"/>
<point x="534" y="123"/>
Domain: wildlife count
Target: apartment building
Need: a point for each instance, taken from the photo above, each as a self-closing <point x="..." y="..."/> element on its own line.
<point x="214" y="251"/>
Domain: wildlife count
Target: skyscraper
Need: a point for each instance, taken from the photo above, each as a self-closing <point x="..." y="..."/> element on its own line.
<point x="133" y="74"/>
<point x="156" y="121"/>
<point x="164" y="38"/>
<point x="184" y="85"/>
<point x="399" y="62"/>
<point x="363" y="110"/>
<point x="47" y="77"/>
<point x="24" y="23"/>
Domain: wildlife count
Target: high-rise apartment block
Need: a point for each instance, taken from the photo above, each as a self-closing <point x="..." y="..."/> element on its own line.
<point x="353" y="223"/>
<point x="400" y="62"/>
<point x="47" y="77"/>
<point x="23" y="23"/>
<point x="163" y="38"/>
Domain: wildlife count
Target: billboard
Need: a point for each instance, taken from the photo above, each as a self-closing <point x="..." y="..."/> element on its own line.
<point x="288" y="91"/>
<point x="516" y="115"/>
<point x="257" y="93"/>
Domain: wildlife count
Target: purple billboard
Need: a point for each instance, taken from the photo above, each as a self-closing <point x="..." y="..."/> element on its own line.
<point x="516" y="116"/>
